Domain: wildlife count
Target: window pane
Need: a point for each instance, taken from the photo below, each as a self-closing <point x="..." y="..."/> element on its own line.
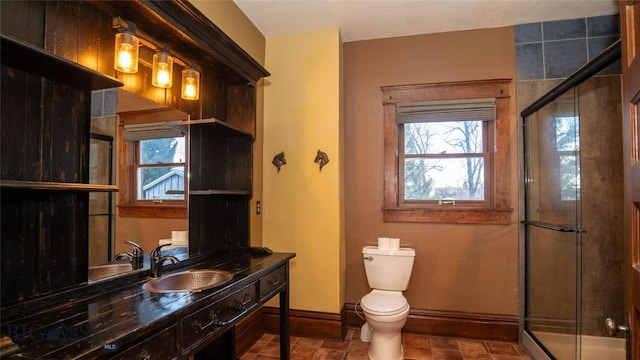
<point x="569" y="177"/>
<point x="447" y="137"/>
<point x="437" y="179"/>
<point x="567" y="133"/>
<point x="162" y="151"/>
<point x="161" y="183"/>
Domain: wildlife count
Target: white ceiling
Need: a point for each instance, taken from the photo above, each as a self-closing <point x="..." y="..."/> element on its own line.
<point x="373" y="19"/>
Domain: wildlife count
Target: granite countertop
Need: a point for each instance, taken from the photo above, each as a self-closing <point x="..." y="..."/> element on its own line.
<point x="119" y="315"/>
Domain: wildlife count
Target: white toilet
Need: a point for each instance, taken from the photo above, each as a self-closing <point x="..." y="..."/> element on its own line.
<point x="385" y="308"/>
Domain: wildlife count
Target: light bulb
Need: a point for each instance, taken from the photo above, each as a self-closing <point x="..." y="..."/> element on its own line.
<point x="126" y="53"/>
<point x="190" y="89"/>
<point x="125" y="58"/>
<point x="162" y="76"/>
<point x="162" y="70"/>
<point x="190" y="84"/>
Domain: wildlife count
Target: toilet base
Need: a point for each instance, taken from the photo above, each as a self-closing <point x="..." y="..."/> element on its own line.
<point x="386" y="346"/>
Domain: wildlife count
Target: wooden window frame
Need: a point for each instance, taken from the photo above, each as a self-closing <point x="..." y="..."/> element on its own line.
<point x="128" y="206"/>
<point x="497" y="209"/>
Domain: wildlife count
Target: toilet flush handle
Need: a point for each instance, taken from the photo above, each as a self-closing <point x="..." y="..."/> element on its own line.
<point x="370" y="258"/>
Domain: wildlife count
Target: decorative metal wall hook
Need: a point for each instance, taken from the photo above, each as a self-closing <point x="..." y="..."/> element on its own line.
<point x="321" y="159"/>
<point x="279" y="160"/>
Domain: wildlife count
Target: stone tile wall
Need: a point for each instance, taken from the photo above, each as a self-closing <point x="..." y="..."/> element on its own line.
<point x="556" y="49"/>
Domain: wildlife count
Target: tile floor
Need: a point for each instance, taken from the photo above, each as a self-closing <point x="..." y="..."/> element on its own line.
<point x="415" y="347"/>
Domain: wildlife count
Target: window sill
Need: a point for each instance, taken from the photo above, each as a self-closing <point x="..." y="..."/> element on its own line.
<point x="448" y="215"/>
<point x="152" y="211"/>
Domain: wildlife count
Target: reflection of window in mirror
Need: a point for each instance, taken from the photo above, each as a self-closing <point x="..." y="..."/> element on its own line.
<point x="159" y="170"/>
<point x="152" y="168"/>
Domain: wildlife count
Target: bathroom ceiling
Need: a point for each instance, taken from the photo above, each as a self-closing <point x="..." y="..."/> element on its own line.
<point x="373" y="19"/>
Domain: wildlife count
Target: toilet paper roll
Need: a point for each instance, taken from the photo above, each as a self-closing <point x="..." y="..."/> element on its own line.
<point x="383" y="243"/>
<point x="180" y="237"/>
<point x="394" y="243"/>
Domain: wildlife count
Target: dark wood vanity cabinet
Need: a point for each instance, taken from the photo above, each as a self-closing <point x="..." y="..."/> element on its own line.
<point x="161" y="346"/>
<point x="212" y="320"/>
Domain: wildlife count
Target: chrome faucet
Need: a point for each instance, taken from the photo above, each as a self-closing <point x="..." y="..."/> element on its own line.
<point x="135" y="257"/>
<point x="157" y="260"/>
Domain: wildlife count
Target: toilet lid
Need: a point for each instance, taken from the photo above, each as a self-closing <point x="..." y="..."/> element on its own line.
<point x="384" y="304"/>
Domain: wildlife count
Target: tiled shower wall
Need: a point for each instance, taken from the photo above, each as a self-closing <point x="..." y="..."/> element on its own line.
<point x="556" y="49"/>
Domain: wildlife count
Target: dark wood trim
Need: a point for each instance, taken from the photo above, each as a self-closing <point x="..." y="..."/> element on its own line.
<point x="452" y="323"/>
<point x="308" y="323"/>
<point x="185" y="30"/>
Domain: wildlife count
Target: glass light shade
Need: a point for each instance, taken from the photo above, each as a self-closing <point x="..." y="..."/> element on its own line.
<point x="162" y="75"/>
<point x="126" y="53"/>
<point x="190" y="84"/>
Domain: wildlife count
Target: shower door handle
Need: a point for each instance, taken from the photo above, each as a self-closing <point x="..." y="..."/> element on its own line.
<point x="613" y="328"/>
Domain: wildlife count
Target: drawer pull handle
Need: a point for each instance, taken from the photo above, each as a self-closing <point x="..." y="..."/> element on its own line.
<point x="144" y="355"/>
<point x="275" y="281"/>
<point x="241" y="305"/>
<point x="213" y="320"/>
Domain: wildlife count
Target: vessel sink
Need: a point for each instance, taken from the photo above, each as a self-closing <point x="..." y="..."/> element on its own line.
<point x="99" y="272"/>
<point x="188" y="281"/>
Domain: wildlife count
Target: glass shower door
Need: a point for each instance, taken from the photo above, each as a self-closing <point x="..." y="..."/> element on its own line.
<point x="574" y="239"/>
<point x="553" y="239"/>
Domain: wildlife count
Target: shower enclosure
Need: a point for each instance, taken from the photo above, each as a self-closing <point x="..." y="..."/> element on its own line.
<point x="573" y="216"/>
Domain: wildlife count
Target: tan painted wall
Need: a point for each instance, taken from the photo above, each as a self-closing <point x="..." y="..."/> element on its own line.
<point x="471" y="268"/>
<point x="458" y="267"/>
<point x="303" y="206"/>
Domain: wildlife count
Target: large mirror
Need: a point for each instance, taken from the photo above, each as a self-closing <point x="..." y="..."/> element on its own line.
<point x="141" y="147"/>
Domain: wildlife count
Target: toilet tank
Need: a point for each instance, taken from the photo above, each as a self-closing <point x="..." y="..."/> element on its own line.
<point x="388" y="269"/>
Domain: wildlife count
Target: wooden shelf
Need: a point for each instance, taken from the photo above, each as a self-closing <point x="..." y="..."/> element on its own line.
<point x="59" y="186"/>
<point x="219" y="125"/>
<point x="26" y="57"/>
<point x="219" y="192"/>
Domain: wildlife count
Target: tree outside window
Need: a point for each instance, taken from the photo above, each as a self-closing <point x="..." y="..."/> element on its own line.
<point x="444" y="161"/>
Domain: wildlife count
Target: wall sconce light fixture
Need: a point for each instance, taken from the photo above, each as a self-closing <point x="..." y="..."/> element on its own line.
<point x="190" y="83"/>
<point x="128" y="42"/>
<point x="321" y="159"/>
<point x="162" y="71"/>
<point x="126" y="52"/>
<point x="279" y="160"/>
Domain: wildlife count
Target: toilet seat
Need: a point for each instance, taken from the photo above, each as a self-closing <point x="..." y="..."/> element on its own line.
<point x="384" y="303"/>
